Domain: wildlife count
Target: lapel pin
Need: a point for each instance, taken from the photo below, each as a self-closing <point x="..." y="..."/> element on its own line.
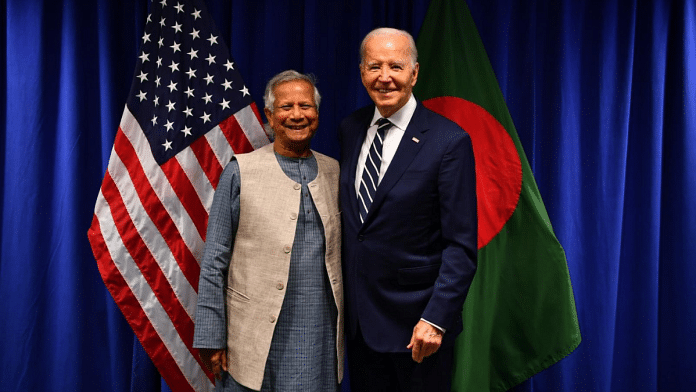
<point x="415" y="139"/>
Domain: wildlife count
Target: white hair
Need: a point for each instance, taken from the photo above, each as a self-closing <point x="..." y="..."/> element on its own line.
<point x="288" y="76"/>
<point x="412" y="51"/>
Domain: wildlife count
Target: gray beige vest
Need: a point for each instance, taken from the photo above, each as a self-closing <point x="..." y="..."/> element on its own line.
<point x="258" y="274"/>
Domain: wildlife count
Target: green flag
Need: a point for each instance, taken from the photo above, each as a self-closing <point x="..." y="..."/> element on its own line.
<point x="519" y="316"/>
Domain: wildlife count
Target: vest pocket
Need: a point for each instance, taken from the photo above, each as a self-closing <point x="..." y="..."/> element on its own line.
<point x="237" y="295"/>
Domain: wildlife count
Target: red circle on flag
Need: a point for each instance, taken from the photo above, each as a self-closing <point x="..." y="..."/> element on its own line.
<point x="498" y="166"/>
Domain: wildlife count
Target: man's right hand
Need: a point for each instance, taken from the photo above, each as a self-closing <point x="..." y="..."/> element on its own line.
<point x="215" y="360"/>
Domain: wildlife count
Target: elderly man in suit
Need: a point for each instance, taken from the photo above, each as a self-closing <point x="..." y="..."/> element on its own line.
<point x="408" y="199"/>
<point x="270" y="303"/>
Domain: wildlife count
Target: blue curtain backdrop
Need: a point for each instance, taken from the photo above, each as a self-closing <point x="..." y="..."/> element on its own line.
<point x="603" y="95"/>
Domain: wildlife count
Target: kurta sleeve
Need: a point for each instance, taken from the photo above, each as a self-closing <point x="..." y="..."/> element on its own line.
<point x="210" y="325"/>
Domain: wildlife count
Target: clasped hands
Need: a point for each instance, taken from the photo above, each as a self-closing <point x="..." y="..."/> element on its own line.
<point x="425" y="341"/>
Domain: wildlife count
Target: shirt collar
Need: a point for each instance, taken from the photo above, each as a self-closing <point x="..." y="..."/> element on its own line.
<point x="402" y="117"/>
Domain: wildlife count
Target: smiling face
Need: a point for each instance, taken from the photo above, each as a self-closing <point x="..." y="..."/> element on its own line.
<point x="294" y="119"/>
<point x="387" y="72"/>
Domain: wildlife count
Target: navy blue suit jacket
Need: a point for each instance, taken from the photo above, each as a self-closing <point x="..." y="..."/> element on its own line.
<point x="415" y="254"/>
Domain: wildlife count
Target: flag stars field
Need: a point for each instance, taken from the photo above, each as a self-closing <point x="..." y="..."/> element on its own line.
<point x="176" y="40"/>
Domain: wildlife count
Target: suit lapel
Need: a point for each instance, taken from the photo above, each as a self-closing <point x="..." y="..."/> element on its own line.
<point x="413" y="140"/>
<point x="353" y="163"/>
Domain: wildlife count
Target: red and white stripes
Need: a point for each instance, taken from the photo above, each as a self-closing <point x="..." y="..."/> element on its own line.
<point x="148" y="234"/>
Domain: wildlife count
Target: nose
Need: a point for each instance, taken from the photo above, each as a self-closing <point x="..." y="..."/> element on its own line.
<point x="296" y="112"/>
<point x="384" y="74"/>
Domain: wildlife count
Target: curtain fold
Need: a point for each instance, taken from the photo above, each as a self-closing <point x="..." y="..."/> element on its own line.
<point x="602" y="93"/>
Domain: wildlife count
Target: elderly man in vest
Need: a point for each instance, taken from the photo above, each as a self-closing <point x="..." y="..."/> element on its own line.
<point x="270" y="302"/>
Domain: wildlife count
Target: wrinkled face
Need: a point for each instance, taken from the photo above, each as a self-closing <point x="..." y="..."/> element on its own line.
<point x="387" y="72"/>
<point x="295" y="118"/>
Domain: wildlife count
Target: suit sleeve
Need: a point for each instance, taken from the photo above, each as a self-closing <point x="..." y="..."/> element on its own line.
<point x="458" y="221"/>
<point x="210" y="325"/>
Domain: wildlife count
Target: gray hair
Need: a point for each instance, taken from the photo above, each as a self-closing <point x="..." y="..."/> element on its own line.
<point x="412" y="51"/>
<point x="288" y="76"/>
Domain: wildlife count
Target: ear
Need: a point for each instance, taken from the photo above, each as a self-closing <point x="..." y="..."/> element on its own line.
<point x="362" y="74"/>
<point x="269" y="116"/>
<point x="415" y="74"/>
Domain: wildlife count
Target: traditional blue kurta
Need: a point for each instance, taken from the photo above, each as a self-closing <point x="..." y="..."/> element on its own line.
<point x="303" y="350"/>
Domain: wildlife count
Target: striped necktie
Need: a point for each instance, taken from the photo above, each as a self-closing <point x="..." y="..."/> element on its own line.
<point x="370" y="176"/>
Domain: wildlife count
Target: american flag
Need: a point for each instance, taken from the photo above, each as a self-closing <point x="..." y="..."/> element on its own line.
<point x="187" y="114"/>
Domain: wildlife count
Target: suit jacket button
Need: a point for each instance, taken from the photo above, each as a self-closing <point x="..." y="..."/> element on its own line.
<point x="297" y="186"/>
<point x="293" y="216"/>
<point x="361" y="238"/>
<point x="272" y="319"/>
<point x="279" y="286"/>
<point x="287" y="249"/>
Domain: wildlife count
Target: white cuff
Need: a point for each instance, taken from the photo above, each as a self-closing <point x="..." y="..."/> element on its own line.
<point x="434" y="325"/>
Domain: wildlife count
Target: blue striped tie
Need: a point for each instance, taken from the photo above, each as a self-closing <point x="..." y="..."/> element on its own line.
<point x="370" y="176"/>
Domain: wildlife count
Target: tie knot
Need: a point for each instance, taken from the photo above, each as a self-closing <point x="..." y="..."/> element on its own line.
<point x="383" y="123"/>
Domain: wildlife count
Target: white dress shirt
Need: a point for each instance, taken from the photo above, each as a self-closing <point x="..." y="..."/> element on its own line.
<point x="392" y="138"/>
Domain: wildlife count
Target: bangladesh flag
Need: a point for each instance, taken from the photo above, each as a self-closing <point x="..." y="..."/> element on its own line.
<point x="519" y="315"/>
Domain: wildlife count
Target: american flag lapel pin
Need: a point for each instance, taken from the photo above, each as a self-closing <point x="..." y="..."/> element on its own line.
<point x="415" y="139"/>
